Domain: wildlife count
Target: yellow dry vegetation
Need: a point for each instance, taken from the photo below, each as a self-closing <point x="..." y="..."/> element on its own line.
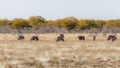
<point x="51" y="54"/>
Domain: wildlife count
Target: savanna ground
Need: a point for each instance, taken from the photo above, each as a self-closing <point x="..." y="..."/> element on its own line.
<point x="68" y="54"/>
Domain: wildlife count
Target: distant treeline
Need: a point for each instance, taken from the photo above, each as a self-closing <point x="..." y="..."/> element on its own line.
<point x="38" y="24"/>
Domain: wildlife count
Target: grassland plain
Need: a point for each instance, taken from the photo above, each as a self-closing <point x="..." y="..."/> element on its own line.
<point x="52" y="36"/>
<point x="47" y="53"/>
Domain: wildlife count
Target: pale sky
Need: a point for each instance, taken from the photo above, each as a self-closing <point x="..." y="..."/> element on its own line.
<point x="57" y="9"/>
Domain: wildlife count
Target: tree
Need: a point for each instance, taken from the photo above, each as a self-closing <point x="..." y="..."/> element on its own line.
<point x="19" y="24"/>
<point x="36" y="21"/>
<point x="86" y="24"/>
<point x="4" y="25"/>
<point x="112" y="24"/>
<point x="4" y="22"/>
<point x="68" y="23"/>
<point x="100" y="23"/>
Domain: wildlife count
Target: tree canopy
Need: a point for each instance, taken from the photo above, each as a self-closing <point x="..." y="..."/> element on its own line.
<point x="68" y="23"/>
<point x="36" y="21"/>
<point x="19" y="23"/>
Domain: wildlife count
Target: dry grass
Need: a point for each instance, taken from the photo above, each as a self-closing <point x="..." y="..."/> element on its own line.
<point x="68" y="54"/>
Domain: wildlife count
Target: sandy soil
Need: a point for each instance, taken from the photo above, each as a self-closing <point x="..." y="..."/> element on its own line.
<point x="68" y="54"/>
